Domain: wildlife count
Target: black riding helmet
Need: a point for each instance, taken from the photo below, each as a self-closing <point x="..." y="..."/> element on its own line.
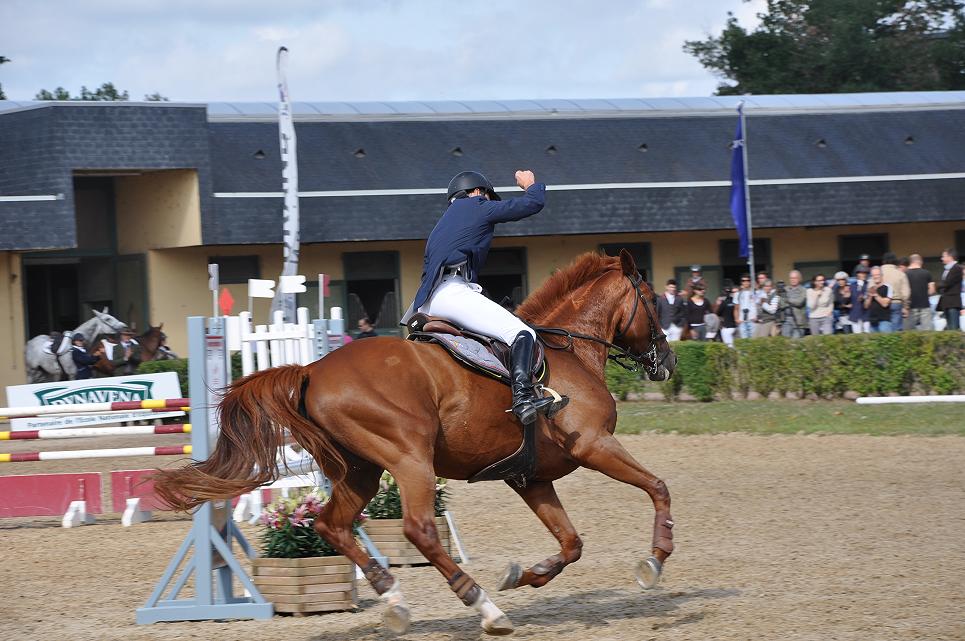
<point x="463" y="183"/>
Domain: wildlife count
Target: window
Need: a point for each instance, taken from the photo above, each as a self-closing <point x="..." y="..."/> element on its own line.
<point x="851" y="247"/>
<point x="810" y="269"/>
<point x="234" y="270"/>
<point x="640" y="252"/>
<point x="733" y="266"/>
<point x="504" y="276"/>
<point x="372" y="288"/>
<point x="960" y="243"/>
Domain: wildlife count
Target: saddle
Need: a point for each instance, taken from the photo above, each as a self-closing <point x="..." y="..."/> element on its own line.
<point x="491" y="358"/>
<point x="58" y="343"/>
<point x="482" y="354"/>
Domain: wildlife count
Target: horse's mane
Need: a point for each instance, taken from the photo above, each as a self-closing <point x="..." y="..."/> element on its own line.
<point x="583" y="269"/>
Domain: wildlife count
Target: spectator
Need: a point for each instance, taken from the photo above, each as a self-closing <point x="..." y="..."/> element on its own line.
<point x="82" y="360"/>
<point x="670" y="311"/>
<point x="695" y="309"/>
<point x="859" y="311"/>
<point x="767" y="311"/>
<point x="366" y="330"/>
<point x="127" y="354"/>
<point x="878" y="302"/>
<point x="864" y="260"/>
<point x="759" y="288"/>
<point x="726" y="309"/>
<point x="696" y="278"/>
<point x="842" y="302"/>
<point x="746" y="309"/>
<point x="950" y="289"/>
<point x="904" y="263"/>
<point x="821" y="305"/>
<point x="164" y="353"/>
<point x="921" y="286"/>
<point x="793" y="301"/>
<point x="900" y="291"/>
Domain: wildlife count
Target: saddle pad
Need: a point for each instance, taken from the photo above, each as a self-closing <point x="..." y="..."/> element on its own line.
<point x="476" y="356"/>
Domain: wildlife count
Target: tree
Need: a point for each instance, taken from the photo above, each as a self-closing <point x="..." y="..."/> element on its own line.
<point x="3" y="59"/>
<point x="839" y="46"/>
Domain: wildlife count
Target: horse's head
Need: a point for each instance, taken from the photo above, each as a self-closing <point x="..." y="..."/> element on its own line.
<point x="109" y="321"/>
<point x="638" y="330"/>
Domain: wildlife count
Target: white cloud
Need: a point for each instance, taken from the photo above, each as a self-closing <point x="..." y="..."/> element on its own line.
<point x="378" y="50"/>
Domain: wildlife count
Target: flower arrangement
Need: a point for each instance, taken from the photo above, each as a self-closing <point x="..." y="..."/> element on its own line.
<point x="387" y="504"/>
<point x="288" y="532"/>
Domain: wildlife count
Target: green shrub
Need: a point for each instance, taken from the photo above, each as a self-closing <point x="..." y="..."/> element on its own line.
<point x="178" y="365"/>
<point x="823" y="366"/>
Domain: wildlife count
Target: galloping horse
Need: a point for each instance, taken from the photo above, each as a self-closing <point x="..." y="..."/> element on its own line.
<point x="43" y="366"/>
<point x="388" y="404"/>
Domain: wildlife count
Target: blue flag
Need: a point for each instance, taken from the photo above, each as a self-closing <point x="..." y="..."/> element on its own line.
<point x="738" y="203"/>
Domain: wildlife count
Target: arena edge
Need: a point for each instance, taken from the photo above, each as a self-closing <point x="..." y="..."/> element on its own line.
<point x="819" y="367"/>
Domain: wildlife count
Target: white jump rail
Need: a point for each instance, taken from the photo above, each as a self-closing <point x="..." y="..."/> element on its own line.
<point x="888" y="400"/>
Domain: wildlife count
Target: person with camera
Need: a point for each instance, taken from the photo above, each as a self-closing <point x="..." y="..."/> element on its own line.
<point x="726" y="309"/>
<point x="745" y="313"/>
<point x="794" y="300"/>
<point x="842" y="302"/>
<point x="859" y="316"/>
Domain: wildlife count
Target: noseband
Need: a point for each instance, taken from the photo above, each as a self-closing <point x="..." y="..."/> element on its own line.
<point x="650" y="361"/>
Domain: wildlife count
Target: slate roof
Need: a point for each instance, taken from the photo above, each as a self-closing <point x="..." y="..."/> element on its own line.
<point x="418" y="146"/>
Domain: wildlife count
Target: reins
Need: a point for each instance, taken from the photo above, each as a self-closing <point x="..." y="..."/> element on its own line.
<point x="648" y="360"/>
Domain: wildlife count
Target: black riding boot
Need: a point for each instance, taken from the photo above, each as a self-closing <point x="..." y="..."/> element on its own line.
<point x="526" y="405"/>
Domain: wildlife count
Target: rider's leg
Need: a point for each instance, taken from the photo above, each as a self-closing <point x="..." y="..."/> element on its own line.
<point x="462" y="303"/>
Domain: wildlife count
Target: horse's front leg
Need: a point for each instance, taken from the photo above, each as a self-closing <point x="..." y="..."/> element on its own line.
<point x="417" y="485"/>
<point x="605" y="454"/>
<point x="541" y="497"/>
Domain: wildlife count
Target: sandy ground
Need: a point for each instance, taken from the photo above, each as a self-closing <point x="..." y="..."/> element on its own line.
<point x="779" y="537"/>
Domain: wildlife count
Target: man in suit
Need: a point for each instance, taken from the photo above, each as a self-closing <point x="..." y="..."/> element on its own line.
<point x="127" y="354"/>
<point x="456" y="252"/>
<point x="950" y="289"/>
<point x="670" y="311"/>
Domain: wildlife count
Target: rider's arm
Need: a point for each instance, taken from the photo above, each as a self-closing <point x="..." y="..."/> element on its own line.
<point x="529" y="203"/>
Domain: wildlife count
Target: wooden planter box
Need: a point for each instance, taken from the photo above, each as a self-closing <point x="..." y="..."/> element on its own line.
<point x="388" y="537"/>
<point x="315" y="584"/>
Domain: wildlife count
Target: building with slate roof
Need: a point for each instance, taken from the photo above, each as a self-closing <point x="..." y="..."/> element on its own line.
<point x="123" y="204"/>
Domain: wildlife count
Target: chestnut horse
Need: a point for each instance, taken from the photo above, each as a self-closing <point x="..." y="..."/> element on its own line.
<point x="410" y="408"/>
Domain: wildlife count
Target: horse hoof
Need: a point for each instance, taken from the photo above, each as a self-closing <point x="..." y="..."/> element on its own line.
<point x="648" y="572"/>
<point x="499" y="626"/>
<point x="510" y="578"/>
<point x="396" y="618"/>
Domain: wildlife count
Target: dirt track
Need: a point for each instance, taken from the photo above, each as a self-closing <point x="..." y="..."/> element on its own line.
<point x="781" y="537"/>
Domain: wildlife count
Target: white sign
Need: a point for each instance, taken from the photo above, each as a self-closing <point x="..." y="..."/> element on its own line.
<point x="94" y="390"/>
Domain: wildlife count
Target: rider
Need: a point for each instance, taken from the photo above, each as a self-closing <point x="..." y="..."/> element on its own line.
<point x="455" y="253"/>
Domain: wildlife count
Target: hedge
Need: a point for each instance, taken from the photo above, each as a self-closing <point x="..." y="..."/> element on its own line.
<point x="814" y="366"/>
<point x="180" y="367"/>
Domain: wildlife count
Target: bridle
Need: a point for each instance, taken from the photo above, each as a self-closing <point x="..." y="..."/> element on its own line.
<point x="651" y="361"/>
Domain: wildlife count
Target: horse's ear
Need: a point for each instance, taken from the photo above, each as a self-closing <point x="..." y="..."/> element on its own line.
<point x="626" y="262"/>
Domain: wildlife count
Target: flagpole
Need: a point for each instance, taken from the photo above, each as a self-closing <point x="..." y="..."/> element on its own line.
<point x="747" y="198"/>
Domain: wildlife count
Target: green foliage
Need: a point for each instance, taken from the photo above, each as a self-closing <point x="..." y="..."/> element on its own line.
<point x="832" y="46"/>
<point x="106" y="92"/>
<point x="819" y="366"/>
<point x="387" y="503"/>
<point x="288" y="531"/>
<point x="177" y="365"/>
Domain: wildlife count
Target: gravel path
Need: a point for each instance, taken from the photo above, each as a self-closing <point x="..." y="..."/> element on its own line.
<point x="778" y="537"/>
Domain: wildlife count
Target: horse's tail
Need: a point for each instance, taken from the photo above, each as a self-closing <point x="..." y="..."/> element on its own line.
<point x="255" y="412"/>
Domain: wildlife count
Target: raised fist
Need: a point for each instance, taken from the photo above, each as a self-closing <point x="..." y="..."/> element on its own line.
<point x="525" y="178"/>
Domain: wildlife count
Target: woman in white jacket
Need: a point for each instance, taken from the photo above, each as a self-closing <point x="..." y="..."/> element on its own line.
<point x="820" y="307"/>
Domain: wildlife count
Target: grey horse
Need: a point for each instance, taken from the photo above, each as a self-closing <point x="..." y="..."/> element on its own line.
<point x="44" y="366"/>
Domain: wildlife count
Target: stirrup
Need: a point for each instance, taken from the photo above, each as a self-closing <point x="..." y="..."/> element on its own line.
<point x="559" y="401"/>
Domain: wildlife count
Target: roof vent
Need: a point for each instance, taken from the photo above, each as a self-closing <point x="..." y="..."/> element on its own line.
<point x="910" y="140"/>
<point x="643" y="148"/>
<point x="551" y="150"/>
<point x="259" y="155"/>
<point x="456" y="151"/>
<point x="359" y="153"/>
<point x="820" y="143"/>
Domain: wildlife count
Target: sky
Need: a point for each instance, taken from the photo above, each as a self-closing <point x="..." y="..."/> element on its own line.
<point x="360" y="50"/>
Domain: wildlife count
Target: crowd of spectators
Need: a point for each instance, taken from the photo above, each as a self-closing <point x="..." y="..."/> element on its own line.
<point x="890" y="296"/>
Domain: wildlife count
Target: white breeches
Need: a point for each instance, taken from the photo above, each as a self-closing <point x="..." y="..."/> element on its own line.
<point x="462" y="302"/>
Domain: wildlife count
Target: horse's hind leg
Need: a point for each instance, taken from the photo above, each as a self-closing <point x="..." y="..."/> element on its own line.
<point x="334" y="524"/>
<point x="417" y="485"/>
<point x="541" y="497"/>
<point x="607" y="455"/>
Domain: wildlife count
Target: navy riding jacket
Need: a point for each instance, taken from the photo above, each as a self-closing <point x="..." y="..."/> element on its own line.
<point x="464" y="233"/>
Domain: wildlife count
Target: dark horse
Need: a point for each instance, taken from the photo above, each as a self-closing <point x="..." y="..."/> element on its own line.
<point x="409" y="408"/>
